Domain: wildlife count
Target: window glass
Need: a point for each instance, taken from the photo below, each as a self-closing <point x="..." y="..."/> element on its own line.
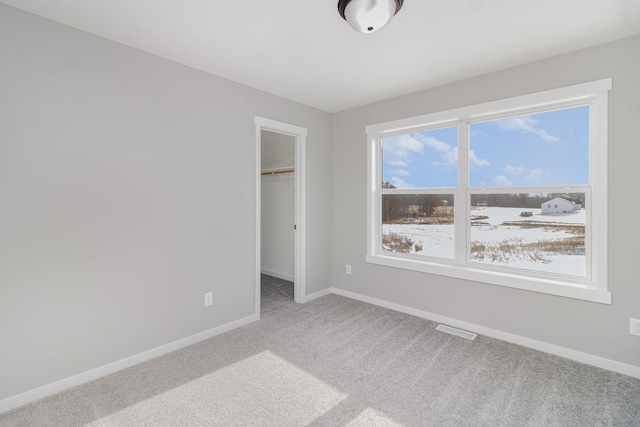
<point x="421" y="160"/>
<point x="541" y="232"/>
<point x="420" y="224"/>
<point x="550" y="148"/>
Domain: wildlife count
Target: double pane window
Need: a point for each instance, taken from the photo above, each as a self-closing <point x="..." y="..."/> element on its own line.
<point x="487" y="194"/>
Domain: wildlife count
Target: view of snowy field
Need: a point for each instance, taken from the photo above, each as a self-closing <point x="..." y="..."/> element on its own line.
<point x="501" y="236"/>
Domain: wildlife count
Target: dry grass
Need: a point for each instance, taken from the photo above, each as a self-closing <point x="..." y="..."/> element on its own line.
<point x="516" y="249"/>
<point x="442" y="215"/>
<point x="547" y="226"/>
<point x="431" y="220"/>
<point x="443" y="212"/>
<point x="396" y="242"/>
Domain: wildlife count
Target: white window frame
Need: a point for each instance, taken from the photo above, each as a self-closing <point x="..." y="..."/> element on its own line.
<point x="592" y="288"/>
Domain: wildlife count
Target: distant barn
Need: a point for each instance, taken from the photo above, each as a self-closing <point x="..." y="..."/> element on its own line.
<point x="559" y="205"/>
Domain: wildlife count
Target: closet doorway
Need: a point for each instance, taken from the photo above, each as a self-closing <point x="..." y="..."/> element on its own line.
<point x="280" y="201"/>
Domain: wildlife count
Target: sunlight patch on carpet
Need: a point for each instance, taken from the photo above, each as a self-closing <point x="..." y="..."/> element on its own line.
<point x="261" y="390"/>
<point x="371" y="417"/>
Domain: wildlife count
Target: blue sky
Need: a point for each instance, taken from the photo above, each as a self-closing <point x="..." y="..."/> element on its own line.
<point x="539" y="149"/>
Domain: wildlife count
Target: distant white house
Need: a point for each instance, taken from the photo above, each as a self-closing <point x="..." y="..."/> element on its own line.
<point x="559" y="205"/>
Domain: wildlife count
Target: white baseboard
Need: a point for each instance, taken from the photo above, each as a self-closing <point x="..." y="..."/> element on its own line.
<point x="56" y="387"/>
<point x="275" y="274"/>
<point x="318" y="294"/>
<point x="85" y="377"/>
<point x="589" y="359"/>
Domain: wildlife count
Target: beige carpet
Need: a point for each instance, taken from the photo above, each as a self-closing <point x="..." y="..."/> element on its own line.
<point x="339" y="362"/>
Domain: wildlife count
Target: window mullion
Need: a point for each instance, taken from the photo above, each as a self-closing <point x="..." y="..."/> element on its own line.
<point x="374" y="197"/>
<point x="461" y="212"/>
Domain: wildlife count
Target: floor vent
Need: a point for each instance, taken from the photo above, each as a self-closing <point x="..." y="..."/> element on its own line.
<point x="456" y="332"/>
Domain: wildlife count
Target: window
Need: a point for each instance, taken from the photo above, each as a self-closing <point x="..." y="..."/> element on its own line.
<point x="510" y="192"/>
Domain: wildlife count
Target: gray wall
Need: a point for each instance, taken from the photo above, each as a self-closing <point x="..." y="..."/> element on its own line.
<point x="597" y="329"/>
<point x="127" y="191"/>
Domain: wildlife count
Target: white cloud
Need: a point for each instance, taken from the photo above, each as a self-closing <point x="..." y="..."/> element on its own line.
<point x="523" y="123"/>
<point x="450" y="158"/>
<point x="501" y="180"/>
<point x="448" y="154"/>
<point x="401" y="151"/>
<point x="544" y="135"/>
<point x="400" y="183"/>
<point x="535" y="174"/>
<point x="399" y="163"/>
<point x="400" y="172"/>
<point x="398" y="151"/>
<point x="476" y="161"/>
<point x="409" y="143"/>
<point x="513" y="170"/>
<point x="436" y="144"/>
<point x="526" y="124"/>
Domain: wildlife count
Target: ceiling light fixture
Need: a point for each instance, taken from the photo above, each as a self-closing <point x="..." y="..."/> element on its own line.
<point x="368" y="16"/>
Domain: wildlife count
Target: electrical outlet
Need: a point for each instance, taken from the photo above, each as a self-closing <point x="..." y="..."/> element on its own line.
<point x="634" y="328"/>
<point x="348" y="268"/>
<point x="208" y="299"/>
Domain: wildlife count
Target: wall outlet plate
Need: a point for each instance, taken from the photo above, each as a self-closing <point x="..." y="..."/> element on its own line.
<point x="208" y="299"/>
<point x="348" y="269"/>
<point x="634" y="326"/>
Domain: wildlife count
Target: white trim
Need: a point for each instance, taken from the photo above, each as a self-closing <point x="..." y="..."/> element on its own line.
<point x="317" y="295"/>
<point x="93" y="374"/>
<point x="277" y="275"/>
<point x="539" y="99"/>
<point x="373" y="202"/>
<point x="258" y="220"/>
<point x="600" y="219"/>
<point x="280" y="127"/>
<point x="567" y="353"/>
<point x="300" y="180"/>
<point x="300" y="239"/>
<point x="517" y="281"/>
<point x="593" y="285"/>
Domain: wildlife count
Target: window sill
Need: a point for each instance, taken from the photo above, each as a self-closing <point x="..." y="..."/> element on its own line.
<point x="533" y="284"/>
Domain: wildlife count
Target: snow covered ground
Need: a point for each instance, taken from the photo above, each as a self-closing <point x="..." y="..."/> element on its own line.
<point x="438" y="240"/>
<point x="499" y="215"/>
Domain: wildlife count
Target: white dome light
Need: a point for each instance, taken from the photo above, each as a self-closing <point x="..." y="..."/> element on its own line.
<point x="368" y="16"/>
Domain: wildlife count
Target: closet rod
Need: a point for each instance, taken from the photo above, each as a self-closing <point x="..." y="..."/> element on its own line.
<point x="277" y="171"/>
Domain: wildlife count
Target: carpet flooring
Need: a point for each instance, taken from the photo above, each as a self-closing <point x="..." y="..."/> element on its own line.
<point x="340" y="362"/>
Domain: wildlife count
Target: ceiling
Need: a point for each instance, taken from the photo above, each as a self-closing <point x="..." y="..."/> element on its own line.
<point x="304" y="51"/>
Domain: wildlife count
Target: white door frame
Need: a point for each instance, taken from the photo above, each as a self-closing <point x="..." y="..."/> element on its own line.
<point x="299" y="245"/>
